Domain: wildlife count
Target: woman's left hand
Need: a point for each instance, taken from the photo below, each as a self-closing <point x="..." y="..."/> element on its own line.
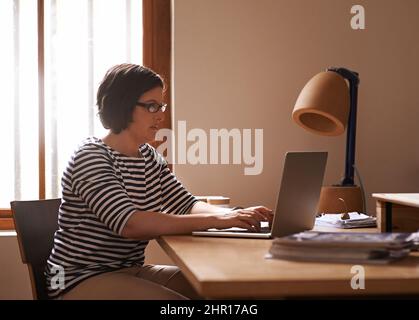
<point x="263" y="211"/>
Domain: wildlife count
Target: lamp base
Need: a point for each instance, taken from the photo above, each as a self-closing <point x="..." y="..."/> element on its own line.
<point x="329" y="199"/>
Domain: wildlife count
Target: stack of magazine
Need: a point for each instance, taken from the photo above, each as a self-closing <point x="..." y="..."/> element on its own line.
<point x="374" y="248"/>
<point x="356" y="220"/>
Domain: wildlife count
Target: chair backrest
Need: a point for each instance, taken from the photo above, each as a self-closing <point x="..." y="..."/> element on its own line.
<point x="36" y="222"/>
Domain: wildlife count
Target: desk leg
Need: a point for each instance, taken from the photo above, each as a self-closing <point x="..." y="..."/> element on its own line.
<point x="389" y="223"/>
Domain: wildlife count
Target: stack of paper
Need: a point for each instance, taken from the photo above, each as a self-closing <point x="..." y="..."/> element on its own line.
<point x="356" y="220"/>
<point x="343" y="247"/>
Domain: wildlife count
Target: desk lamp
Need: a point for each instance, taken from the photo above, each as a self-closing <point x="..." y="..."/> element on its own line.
<point x="326" y="106"/>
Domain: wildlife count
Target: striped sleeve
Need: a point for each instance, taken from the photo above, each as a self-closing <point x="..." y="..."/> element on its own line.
<point x="175" y="198"/>
<point x="96" y="182"/>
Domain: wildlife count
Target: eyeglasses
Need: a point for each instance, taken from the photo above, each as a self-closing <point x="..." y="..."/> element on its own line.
<point x="153" y="107"/>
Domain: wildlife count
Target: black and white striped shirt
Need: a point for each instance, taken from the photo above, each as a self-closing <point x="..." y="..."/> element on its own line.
<point x="102" y="188"/>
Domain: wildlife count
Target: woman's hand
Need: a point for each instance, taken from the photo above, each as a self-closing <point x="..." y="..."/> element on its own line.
<point x="266" y="212"/>
<point x="248" y="218"/>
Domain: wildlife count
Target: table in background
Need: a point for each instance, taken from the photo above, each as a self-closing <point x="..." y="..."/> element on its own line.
<point x="397" y="212"/>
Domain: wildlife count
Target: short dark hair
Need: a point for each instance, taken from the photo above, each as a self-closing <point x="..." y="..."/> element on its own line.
<point x="119" y="91"/>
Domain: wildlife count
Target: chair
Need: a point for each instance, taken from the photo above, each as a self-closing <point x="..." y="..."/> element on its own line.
<point x="36" y="222"/>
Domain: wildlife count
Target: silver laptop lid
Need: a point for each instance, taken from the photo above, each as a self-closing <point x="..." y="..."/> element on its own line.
<point x="299" y="192"/>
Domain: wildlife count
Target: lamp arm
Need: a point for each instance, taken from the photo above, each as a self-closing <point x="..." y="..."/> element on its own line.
<point x="353" y="79"/>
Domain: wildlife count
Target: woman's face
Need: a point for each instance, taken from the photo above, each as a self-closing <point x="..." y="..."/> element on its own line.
<point x="146" y="124"/>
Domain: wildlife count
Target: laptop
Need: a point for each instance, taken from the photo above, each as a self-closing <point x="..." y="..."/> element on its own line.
<point x="297" y="200"/>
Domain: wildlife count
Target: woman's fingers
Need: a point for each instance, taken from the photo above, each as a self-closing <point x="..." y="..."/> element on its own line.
<point x="260" y="208"/>
<point x="267" y="213"/>
<point x="254" y="215"/>
<point x="241" y="218"/>
<point x="246" y="225"/>
<point x="263" y="213"/>
<point x="251" y="220"/>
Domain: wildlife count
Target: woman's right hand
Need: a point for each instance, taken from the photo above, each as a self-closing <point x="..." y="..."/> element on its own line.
<point x="242" y="218"/>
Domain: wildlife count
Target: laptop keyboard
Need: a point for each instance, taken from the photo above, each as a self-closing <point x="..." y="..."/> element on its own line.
<point x="262" y="230"/>
<point x="265" y="230"/>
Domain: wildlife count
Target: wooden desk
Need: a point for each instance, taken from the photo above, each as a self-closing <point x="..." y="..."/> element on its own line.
<point x="397" y="212"/>
<point x="236" y="268"/>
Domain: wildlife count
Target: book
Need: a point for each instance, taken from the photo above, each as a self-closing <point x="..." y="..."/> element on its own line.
<point x="375" y="248"/>
<point x="340" y="256"/>
<point x="356" y="220"/>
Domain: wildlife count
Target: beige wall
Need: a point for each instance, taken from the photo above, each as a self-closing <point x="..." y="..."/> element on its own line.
<point x="241" y="64"/>
<point x="14" y="276"/>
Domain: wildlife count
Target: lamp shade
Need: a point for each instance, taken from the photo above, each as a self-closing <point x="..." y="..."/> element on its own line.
<point x="323" y="105"/>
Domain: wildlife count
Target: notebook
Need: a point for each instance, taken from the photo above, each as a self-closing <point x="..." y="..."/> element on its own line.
<point x="356" y="220"/>
<point x="297" y="198"/>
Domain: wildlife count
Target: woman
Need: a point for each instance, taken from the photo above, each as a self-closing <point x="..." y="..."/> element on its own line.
<point x="118" y="193"/>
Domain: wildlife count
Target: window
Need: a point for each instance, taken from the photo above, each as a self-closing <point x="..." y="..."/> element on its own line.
<point x="19" y="110"/>
<point x="83" y="38"/>
<point x="42" y="121"/>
